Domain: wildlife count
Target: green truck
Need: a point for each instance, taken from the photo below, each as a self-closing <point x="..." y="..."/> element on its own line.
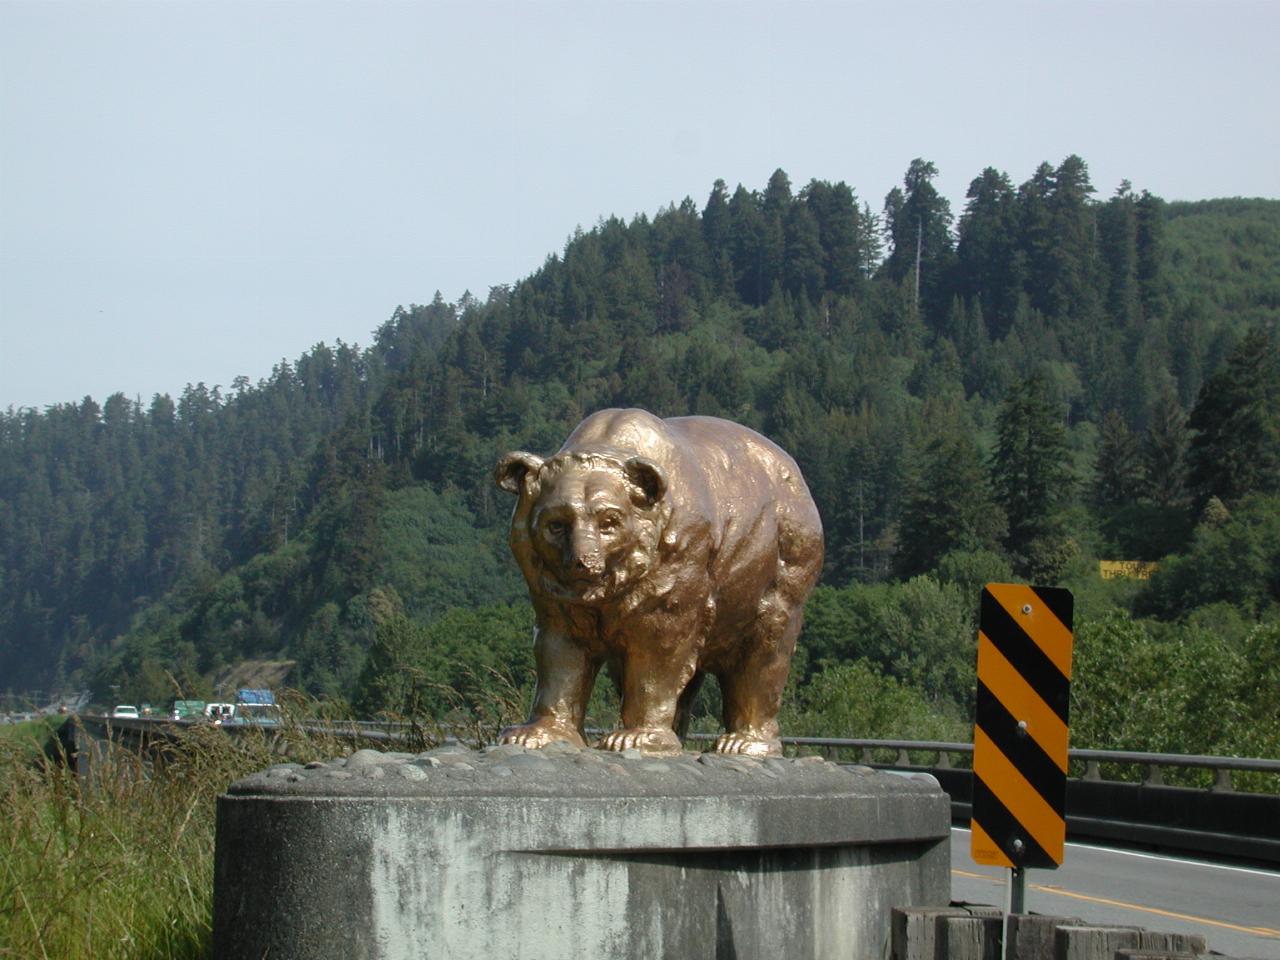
<point x="187" y="710"/>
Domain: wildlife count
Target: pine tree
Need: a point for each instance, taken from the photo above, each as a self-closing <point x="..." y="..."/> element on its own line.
<point x="948" y="507"/>
<point x="716" y="231"/>
<point x="1235" y="444"/>
<point x="775" y="211"/>
<point x="680" y="250"/>
<point x="1073" y="290"/>
<point x="1118" y="243"/>
<point x="918" y="226"/>
<point x="746" y="246"/>
<point x="803" y="271"/>
<point x="1149" y="244"/>
<point x="990" y="269"/>
<point x="1036" y="236"/>
<point x="835" y="208"/>
<point x="1030" y="469"/>
<point x="1118" y="473"/>
<point x="1164" y="452"/>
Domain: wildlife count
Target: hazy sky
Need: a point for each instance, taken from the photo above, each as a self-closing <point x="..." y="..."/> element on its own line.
<point x="195" y="191"/>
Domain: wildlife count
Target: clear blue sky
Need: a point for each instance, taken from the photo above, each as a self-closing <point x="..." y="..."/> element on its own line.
<point x="192" y="191"/>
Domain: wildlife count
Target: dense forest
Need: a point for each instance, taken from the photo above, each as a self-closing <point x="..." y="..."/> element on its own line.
<point x="1046" y="380"/>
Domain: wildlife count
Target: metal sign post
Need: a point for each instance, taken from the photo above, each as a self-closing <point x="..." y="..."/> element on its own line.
<point x="1015" y="901"/>
<point x="1017" y="890"/>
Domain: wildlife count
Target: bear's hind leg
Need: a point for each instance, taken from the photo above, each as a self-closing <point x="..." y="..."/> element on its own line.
<point x="752" y="690"/>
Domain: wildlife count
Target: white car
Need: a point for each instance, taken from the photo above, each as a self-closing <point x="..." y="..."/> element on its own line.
<point x="220" y="713"/>
<point x="125" y="710"/>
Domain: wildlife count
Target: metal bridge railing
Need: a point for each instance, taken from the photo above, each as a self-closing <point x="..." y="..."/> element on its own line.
<point x="1106" y="804"/>
<point x="1092" y="759"/>
<point x="863" y="749"/>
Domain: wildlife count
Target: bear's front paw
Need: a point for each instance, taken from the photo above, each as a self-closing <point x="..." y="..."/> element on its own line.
<point x="656" y="741"/>
<point x="539" y="733"/>
<point x="748" y="745"/>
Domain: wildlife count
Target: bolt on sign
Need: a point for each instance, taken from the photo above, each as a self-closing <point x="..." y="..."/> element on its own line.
<point x="1020" y="729"/>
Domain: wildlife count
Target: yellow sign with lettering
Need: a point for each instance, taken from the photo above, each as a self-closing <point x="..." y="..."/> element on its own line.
<point x="1127" y="569"/>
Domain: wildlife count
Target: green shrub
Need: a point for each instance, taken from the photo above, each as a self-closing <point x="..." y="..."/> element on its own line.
<point x="855" y="700"/>
<point x="921" y="632"/>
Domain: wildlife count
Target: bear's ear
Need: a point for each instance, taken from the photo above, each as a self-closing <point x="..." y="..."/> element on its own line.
<point x="512" y="469"/>
<point x="648" y="476"/>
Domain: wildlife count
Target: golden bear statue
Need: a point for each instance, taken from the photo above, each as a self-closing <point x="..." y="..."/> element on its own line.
<point x="662" y="550"/>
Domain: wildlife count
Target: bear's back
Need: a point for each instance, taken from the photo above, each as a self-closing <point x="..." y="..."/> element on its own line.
<point x="755" y="486"/>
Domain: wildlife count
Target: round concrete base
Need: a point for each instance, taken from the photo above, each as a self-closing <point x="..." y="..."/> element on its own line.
<point x="572" y="853"/>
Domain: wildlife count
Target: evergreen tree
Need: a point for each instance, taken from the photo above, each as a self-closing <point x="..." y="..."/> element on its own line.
<point x="948" y="507"/>
<point x="1235" y="442"/>
<point x="1031" y="472"/>
<point x="1164" y="452"/>
<point x="870" y="241"/>
<point x="775" y="211"/>
<point x="1149" y="249"/>
<point x="840" y="230"/>
<point x="716" y="231"/>
<point x="777" y="198"/>
<point x="1118" y="240"/>
<point x="746" y="246"/>
<point x="990" y="268"/>
<point x="1118" y="474"/>
<point x="1073" y="289"/>
<point x="918" y="226"/>
<point x="1036" y="237"/>
<point x="803" y="271"/>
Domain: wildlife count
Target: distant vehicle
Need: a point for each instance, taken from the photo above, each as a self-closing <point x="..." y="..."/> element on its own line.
<point x="125" y="710"/>
<point x="186" y="710"/>
<point x="220" y="713"/>
<point x="257" y="707"/>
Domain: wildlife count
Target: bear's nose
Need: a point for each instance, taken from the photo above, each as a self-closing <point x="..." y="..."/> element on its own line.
<point x="586" y="555"/>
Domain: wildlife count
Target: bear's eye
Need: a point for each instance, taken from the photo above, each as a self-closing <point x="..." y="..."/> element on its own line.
<point x="557" y="528"/>
<point x="609" y="522"/>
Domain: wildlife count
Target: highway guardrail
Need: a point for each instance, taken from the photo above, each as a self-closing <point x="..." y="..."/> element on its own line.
<point x="1218" y="819"/>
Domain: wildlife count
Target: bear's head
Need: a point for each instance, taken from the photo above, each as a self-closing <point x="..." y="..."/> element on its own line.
<point x="587" y="524"/>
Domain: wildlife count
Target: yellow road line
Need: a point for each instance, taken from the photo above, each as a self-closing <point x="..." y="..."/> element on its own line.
<point x="978" y="876"/>
<point x="1048" y="888"/>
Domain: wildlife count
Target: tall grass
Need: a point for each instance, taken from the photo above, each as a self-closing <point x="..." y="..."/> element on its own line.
<point x="120" y="864"/>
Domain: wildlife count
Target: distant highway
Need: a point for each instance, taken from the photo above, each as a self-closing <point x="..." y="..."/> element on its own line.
<point x="1236" y="909"/>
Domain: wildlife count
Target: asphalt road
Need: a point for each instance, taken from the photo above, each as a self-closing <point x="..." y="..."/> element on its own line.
<point x="1237" y="909"/>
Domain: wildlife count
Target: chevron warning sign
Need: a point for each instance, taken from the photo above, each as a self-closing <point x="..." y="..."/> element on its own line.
<point x="1020" y="728"/>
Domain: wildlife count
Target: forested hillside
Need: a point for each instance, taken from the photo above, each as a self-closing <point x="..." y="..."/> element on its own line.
<point x="1043" y="380"/>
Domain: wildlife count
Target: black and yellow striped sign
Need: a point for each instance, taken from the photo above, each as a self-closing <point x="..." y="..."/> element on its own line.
<point x="1020" y="728"/>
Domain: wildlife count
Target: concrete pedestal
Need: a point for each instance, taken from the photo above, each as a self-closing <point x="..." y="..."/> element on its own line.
<point x="572" y="853"/>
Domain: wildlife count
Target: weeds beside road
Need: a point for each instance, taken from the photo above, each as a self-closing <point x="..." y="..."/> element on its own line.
<point x="119" y="865"/>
